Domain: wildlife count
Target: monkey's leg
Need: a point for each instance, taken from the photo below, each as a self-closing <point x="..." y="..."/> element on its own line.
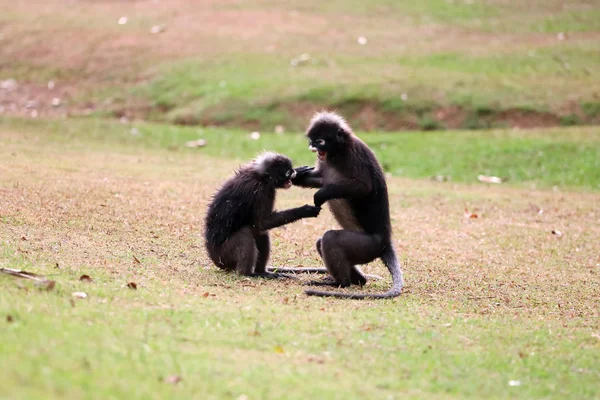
<point x="342" y="250"/>
<point x="240" y="250"/>
<point x="263" y="244"/>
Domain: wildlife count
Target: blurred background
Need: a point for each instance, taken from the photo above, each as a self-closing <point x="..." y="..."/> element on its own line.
<point x="267" y="65"/>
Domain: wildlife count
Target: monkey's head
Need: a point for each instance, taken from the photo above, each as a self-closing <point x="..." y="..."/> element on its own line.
<point x="275" y="168"/>
<point x="328" y="134"/>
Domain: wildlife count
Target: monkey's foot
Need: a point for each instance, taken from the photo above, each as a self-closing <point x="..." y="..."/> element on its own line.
<point x="273" y="275"/>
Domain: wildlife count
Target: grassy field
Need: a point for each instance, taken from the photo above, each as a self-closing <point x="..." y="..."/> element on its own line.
<point x="502" y="280"/>
<point x="500" y="306"/>
<point x="387" y="65"/>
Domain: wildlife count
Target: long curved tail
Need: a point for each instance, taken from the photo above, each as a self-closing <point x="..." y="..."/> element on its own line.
<point x="390" y="260"/>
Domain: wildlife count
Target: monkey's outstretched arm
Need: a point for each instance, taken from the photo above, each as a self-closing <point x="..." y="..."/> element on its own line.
<point x="308" y="177"/>
<point x="346" y="189"/>
<point x="281" y="218"/>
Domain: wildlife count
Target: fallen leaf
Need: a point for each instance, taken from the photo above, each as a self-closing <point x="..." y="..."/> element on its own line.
<point x="79" y="295"/>
<point x="9" y="318"/>
<point x="45" y="284"/>
<point x="158" y="29"/>
<point x="135" y="260"/>
<point x="278" y="349"/>
<point x="8" y="84"/>
<point x="489" y="179"/>
<point x="23" y="238"/>
<point x="206" y="294"/>
<point x="285" y="300"/>
<point x="132" y="285"/>
<point x="196" y="143"/>
<point x="173" y="379"/>
<point x="85" y="278"/>
<point x="40" y="281"/>
<point x="315" y="359"/>
<point x="255" y="135"/>
<point x="557" y="233"/>
<point x="470" y="214"/>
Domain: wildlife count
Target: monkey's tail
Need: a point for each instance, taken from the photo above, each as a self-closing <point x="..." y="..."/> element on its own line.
<point x="390" y="260"/>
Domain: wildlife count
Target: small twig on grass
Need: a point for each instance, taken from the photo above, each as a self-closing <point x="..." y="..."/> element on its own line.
<point x="40" y="281"/>
<point x="481" y="297"/>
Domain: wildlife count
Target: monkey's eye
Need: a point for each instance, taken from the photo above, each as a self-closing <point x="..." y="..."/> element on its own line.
<point x="320" y="142"/>
<point x="287" y="174"/>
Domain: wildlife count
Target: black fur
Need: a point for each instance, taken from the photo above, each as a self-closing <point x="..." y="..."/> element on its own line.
<point x="351" y="180"/>
<point x="241" y="213"/>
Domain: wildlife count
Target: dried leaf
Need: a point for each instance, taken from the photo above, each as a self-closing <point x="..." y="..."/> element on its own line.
<point x="158" y="29"/>
<point x="40" y="281"/>
<point x="489" y="179"/>
<point x="315" y="359"/>
<point x="45" y="284"/>
<point x="79" y="295"/>
<point x="85" y="278"/>
<point x="135" y="260"/>
<point x="285" y="300"/>
<point x="173" y="379"/>
<point x="470" y="214"/>
<point x="132" y="285"/>
<point x="278" y="349"/>
<point x="255" y="135"/>
<point x="9" y="318"/>
<point x="206" y="294"/>
<point x="196" y="143"/>
<point x="557" y="233"/>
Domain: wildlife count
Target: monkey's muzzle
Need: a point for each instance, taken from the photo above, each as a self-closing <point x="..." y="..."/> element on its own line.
<point x="321" y="154"/>
<point x="288" y="183"/>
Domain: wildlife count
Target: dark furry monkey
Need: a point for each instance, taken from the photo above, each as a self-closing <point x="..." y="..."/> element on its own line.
<point x="241" y="214"/>
<point x="351" y="180"/>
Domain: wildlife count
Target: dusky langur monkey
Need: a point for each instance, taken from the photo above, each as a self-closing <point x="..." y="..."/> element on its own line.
<point x="242" y="212"/>
<point x="352" y="182"/>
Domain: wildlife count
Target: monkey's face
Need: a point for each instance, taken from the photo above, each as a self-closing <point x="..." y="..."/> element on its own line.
<point x="318" y="146"/>
<point x="326" y="138"/>
<point x="323" y="142"/>
<point x="282" y="173"/>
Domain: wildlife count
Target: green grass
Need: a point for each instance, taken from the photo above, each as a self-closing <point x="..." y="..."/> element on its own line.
<point x="563" y="157"/>
<point x="124" y="343"/>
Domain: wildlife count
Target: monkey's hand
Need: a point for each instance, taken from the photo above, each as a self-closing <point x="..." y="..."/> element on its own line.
<point x="301" y="173"/>
<point x="308" y="211"/>
<point x="319" y="198"/>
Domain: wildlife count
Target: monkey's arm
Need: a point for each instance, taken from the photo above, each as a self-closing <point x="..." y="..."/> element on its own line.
<point x="281" y="218"/>
<point x="346" y="189"/>
<point x="308" y="177"/>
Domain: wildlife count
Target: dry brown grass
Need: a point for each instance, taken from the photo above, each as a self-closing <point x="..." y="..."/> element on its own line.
<point x="90" y="210"/>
